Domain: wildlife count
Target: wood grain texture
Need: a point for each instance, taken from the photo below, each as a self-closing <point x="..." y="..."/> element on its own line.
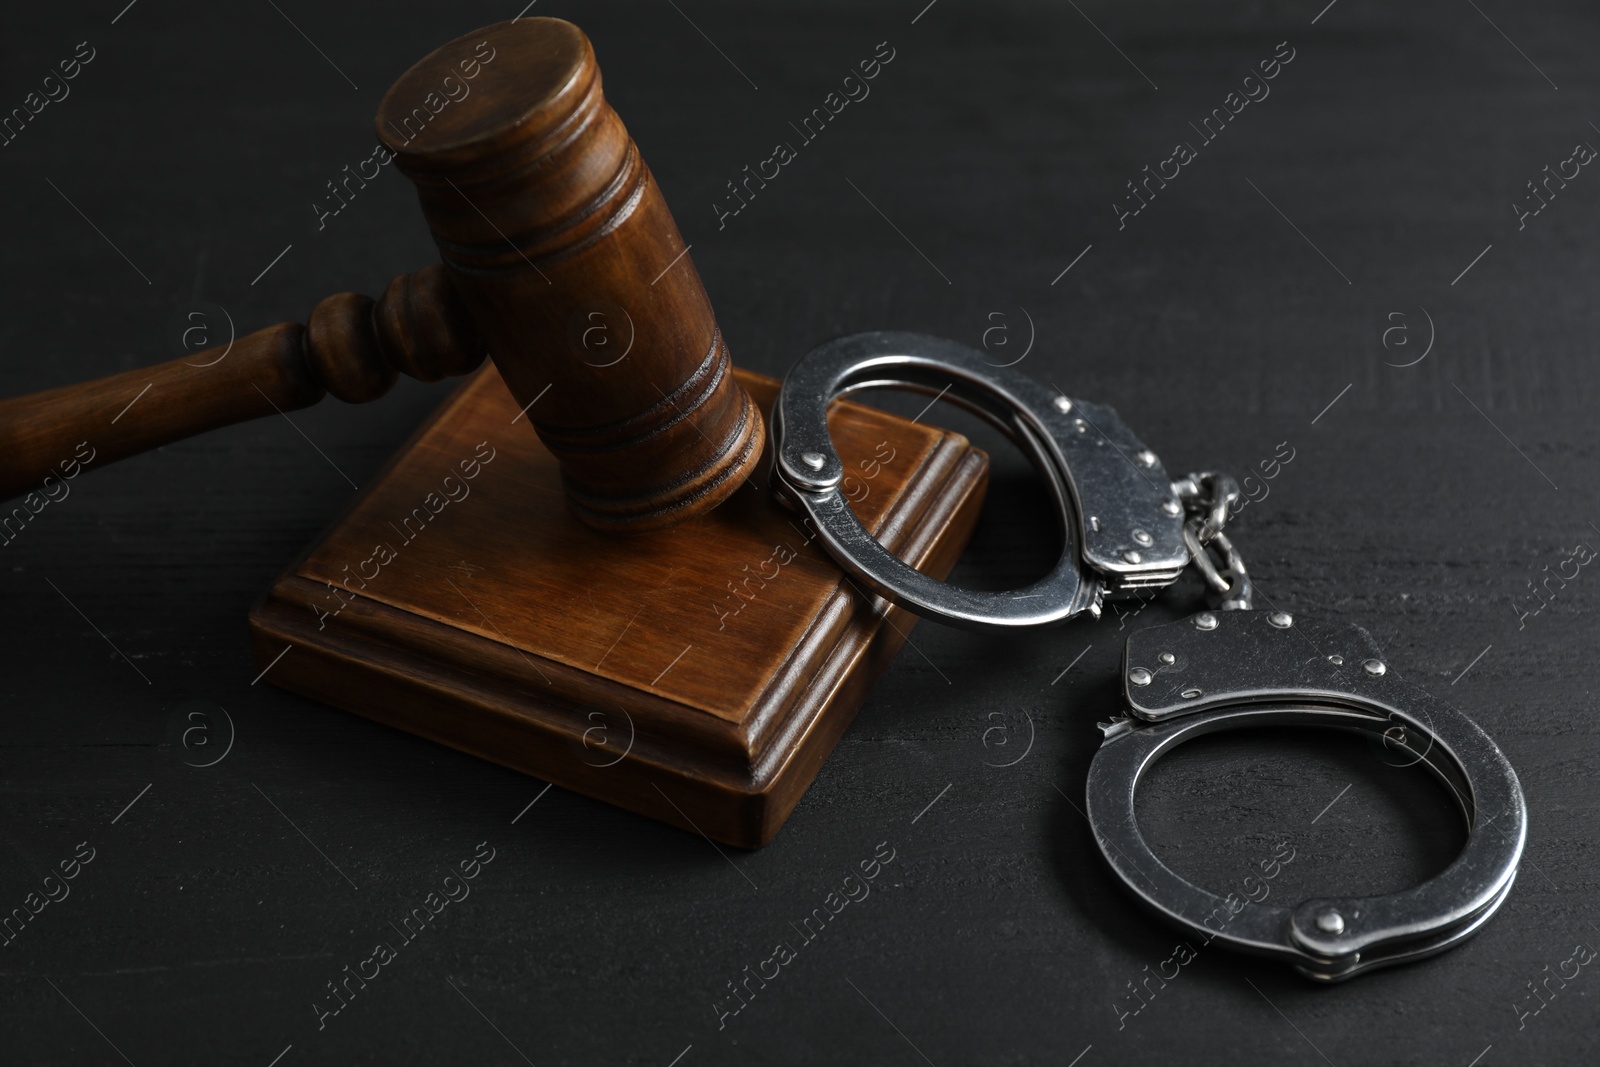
<point x="351" y="347"/>
<point x="563" y="249"/>
<point x="698" y="674"/>
<point x="996" y="140"/>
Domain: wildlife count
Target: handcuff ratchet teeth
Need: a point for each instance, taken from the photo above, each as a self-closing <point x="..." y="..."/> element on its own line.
<point x="1128" y="529"/>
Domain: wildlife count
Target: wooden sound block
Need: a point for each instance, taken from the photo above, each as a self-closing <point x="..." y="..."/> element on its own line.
<point x="698" y="674"/>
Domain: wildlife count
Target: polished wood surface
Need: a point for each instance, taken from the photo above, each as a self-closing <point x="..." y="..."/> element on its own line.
<point x="352" y="347"/>
<point x="996" y="140"/>
<point x="559" y="252"/>
<point x="570" y="264"/>
<point x="698" y="674"/>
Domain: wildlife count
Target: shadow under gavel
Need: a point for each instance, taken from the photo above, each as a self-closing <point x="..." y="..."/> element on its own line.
<point x="352" y="347"/>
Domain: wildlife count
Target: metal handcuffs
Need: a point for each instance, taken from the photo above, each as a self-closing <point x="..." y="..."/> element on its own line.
<point x="1127" y="529"/>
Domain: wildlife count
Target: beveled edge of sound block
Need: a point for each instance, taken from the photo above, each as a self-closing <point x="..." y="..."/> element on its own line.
<point x="734" y="781"/>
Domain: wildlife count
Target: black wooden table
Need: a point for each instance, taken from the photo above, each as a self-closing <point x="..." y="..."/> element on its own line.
<point x="1353" y="269"/>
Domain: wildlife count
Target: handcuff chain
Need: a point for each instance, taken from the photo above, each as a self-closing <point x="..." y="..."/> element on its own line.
<point x="1207" y="497"/>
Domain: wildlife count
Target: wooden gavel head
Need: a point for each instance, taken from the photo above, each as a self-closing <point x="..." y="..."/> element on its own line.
<point x="566" y="260"/>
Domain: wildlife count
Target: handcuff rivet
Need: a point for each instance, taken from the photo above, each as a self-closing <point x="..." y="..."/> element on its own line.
<point x="1167" y="659"/>
<point x="1281" y="619"/>
<point x="1337" y="661"/>
<point x="1132" y="556"/>
<point x="1063" y="405"/>
<point x="1258" y="680"/>
<point x="1143" y="538"/>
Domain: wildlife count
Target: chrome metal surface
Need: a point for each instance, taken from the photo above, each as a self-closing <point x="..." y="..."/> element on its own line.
<point x="1208" y="498"/>
<point x="1120" y="530"/>
<point x="1243" y="671"/>
<point x="1126" y="528"/>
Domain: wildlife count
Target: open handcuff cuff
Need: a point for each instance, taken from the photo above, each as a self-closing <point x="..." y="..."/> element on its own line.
<point x="1128" y="529"/>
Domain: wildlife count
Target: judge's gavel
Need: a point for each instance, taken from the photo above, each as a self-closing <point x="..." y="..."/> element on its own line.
<point x="560" y="260"/>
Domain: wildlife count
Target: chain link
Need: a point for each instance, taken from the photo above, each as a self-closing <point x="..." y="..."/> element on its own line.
<point x="1206" y="498"/>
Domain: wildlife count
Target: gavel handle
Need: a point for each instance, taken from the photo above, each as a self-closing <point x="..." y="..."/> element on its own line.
<point x="351" y="347"/>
